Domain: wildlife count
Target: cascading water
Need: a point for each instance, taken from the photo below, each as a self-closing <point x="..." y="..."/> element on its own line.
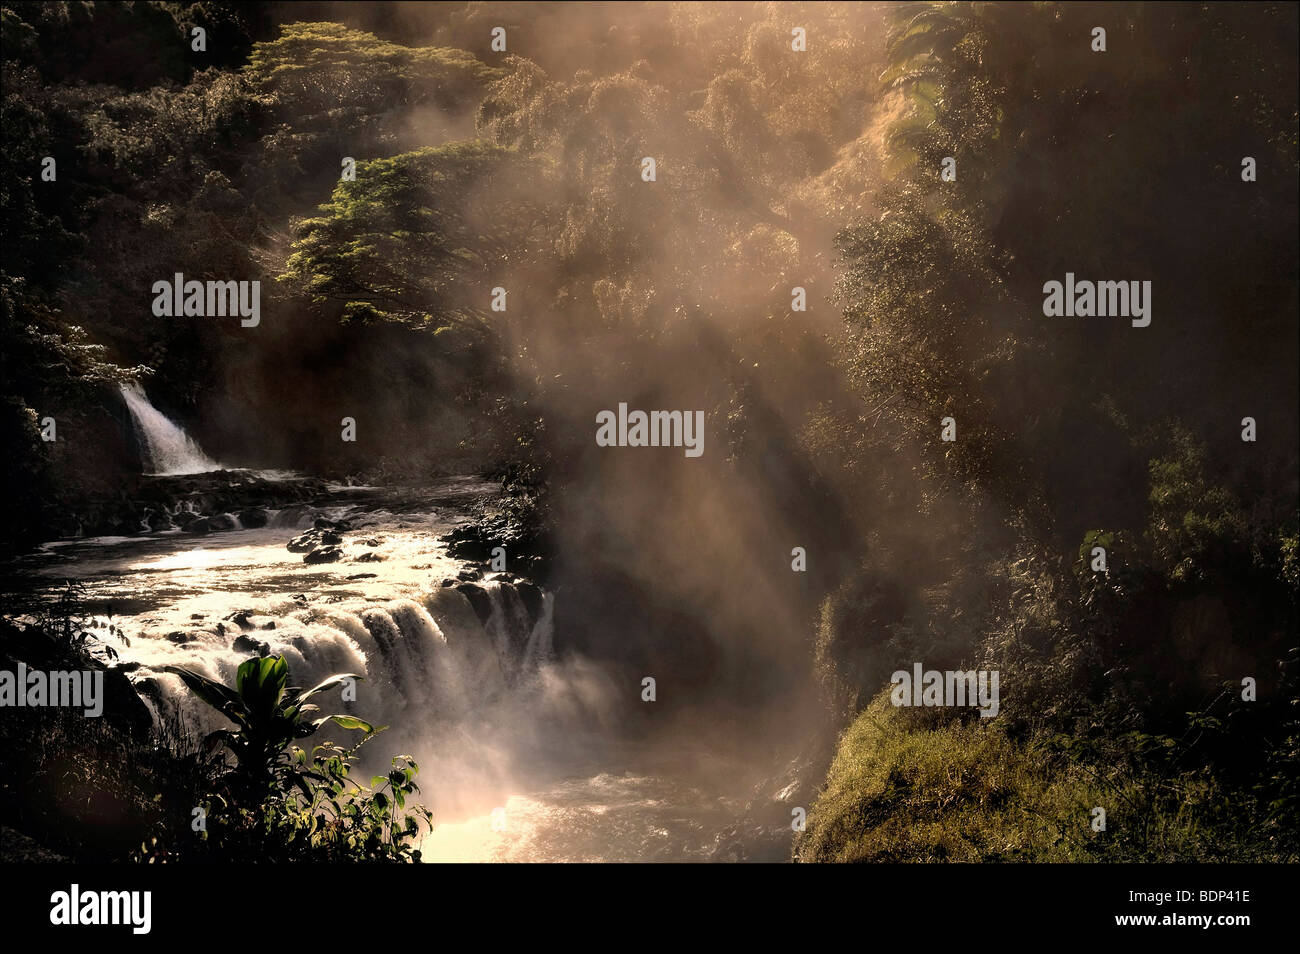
<point x="463" y="670"/>
<point x="167" y="448"/>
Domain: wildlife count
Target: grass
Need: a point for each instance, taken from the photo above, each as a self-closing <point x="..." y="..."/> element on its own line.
<point x="905" y="788"/>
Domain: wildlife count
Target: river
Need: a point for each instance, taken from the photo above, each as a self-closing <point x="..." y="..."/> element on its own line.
<point x="521" y="752"/>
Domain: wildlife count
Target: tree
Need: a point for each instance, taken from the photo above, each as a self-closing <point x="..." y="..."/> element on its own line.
<point x="421" y="238"/>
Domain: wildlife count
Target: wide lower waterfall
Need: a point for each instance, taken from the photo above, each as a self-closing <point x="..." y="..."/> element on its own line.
<point x="432" y="658"/>
<point x="468" y="669"/>
<point x="167" y="448"/>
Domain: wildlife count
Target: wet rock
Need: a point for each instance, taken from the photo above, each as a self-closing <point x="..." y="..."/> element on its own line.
<point x="372" y="542"/>
<point x="449" y="582"/>
<point x="176" y="636"/>
<point x="254" y="518"/>
<point x="478" y="599"/>
<point x="469" y="574"/>
<point x="369" y="558"/>
<point x="240" y="618"/>
<point x="184" y="518"/>
<point x="246" y="644"/>
<point x="269" y="625"/>
<point x="303" y="543"/>
<point x="320" y="523"/>
<point x="362" y="576"/>
<point x="196" y="616"/>
<point x="531" y="594"/>
<point x="502" y="578"/>
<point x="121" y="699"/>
<point x="306" y="542"/>
<point x="324" y="555"/>
<point x="198" y="525"/>
<point x="159" y="521"/>
<point x="222" y="521"/>
<point x="123" y="527"/>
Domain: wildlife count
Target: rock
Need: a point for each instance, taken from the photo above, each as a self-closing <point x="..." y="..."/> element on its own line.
<point x="362" y="576"/>
<point x="478" y="599"/>
<point x="269" y="625"/>
<point x="531" y="594"/>
<point x="324" y="555"/>
<point x="159" y="521"/>
<point x="199" y="525"/>
<point x="196" y="616"/>
<point x="321" y="523"/>
<point x="372" y="542"/>
<point x="222" y="521"/>
<point x="302" y="543"/>
<point x="449" y="582"/>
<point x="305" y="542"/>
<point x="246" y="644"/>
<point x="254" y="518"/>
<point x="183" y="518"/>
<point x="177" y="636"/>
<point x="469" y="574"/>
<point x="369" y="558"/>
<point x="502" y="578"/>
<point x="240" y="618"/>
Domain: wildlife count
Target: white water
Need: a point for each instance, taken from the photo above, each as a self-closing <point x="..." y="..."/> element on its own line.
<point x="167" y="448"/>
<point x="498" y="721"/>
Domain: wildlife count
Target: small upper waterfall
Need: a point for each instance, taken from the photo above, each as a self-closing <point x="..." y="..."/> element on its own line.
<point x="167" y="448"/>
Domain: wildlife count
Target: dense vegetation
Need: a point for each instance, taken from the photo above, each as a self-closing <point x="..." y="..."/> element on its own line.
<point x="477" y="169"/>
<point x="1124" y="688"/>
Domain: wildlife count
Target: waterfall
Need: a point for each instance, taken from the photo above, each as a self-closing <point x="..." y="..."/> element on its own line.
<point x="167" y="448"/>
<point x="426" y="662"/>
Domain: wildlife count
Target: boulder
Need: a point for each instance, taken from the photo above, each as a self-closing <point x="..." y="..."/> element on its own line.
<point x="222" y="521"/>
<point x="158" y="521"/>
<point x="478" y="599"/>
<point x="531" y="594"/>
<point x="253" y="518"/>
<point x="303" y="543"/>
<point x="246" y="644"/>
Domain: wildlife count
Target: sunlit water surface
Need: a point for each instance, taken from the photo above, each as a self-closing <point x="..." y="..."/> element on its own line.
<point x="523" y="771"/>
